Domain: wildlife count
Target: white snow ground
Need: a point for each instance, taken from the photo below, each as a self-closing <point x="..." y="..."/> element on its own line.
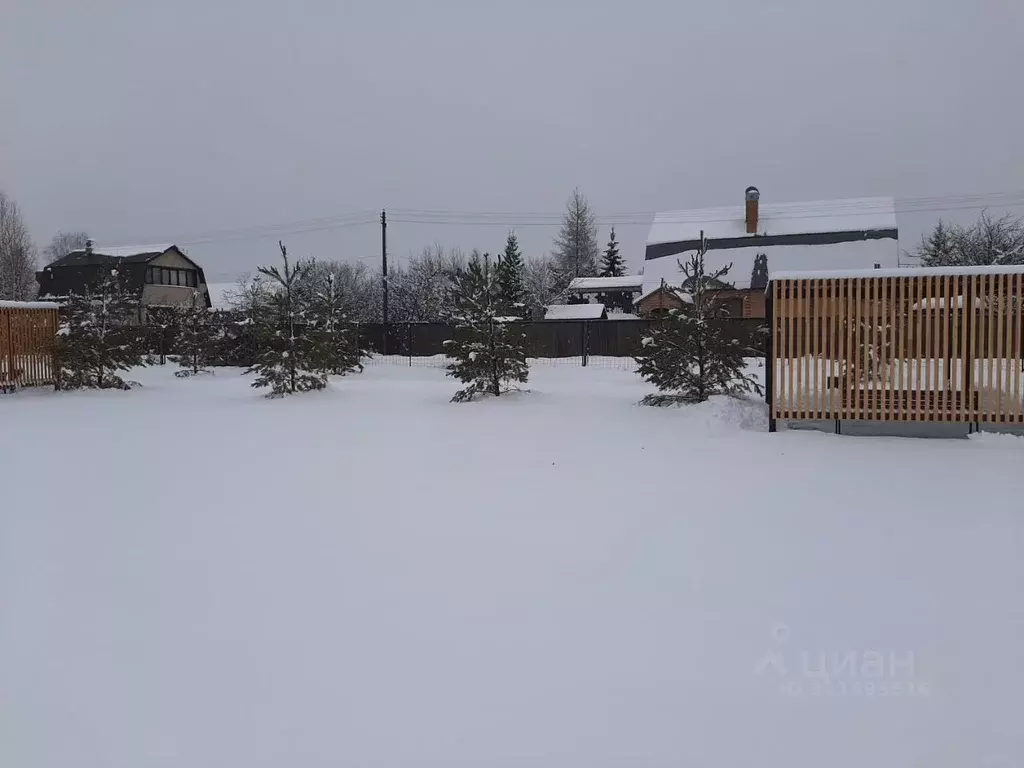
<point x="191" y="575"/>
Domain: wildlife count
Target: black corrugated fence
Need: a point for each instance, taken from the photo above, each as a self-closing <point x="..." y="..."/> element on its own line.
<point x="544" y="338"/>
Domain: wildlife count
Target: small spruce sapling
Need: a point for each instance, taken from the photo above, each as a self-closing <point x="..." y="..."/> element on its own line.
<point x="196" y="336"/>
<point x="487" y="353"/>
<point x="693" y="354"/>
<point x="99" y="336"/>
<point x="286" y="362"/>
<point x="333" y="342"/>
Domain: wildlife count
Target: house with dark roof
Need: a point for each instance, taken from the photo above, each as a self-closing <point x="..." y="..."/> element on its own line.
<point x="859" y="233"/>
<point x="162" y="275"/>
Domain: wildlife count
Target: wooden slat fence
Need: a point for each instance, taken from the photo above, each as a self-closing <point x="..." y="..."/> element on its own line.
<point x="929" y="347"/>
<point x="27" y="335"/>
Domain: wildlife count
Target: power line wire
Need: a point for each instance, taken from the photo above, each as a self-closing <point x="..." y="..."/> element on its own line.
<point x="695" y="218"/>
<point x="356" y="218"/>
<point x="420" y="216"/>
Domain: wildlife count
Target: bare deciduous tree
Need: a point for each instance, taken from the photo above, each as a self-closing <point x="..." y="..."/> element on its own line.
<point x="17" y="254"/>
<point x="64" y="243"/>
<point x="987" y="241"/>
<point x="542" y="285"/>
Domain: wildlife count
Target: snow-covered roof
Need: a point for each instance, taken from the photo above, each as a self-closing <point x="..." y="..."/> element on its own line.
<point x="624" y="283"/>
<point x="574" y="312"/>
<point x="622" y="316"/>
<point x="850" y="215"/>
<point x="854" y="255"/>
<point x="29" y="305"/>
<point x="822" y="274"/>
<point x="124" y="251"/>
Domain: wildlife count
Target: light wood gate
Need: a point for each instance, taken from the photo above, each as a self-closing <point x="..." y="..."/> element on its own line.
<point x="27" y="334"/>
<point x="897" y="345"/>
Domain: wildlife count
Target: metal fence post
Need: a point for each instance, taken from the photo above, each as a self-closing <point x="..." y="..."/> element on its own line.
<point x="408" y="341"/>
<point x="769" y="378"/>
<point x="586" y="341"/>
<point x="8" y="372"/>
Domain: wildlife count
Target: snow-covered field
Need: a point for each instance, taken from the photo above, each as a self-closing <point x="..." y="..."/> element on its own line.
<point x="194" y="576"/>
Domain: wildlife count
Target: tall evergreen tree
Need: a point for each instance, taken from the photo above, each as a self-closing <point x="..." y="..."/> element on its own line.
<point x="939" y="249"/>
<point x="693" y="354"/>
<point x="98" y="336"/>
<point x="287" y="361"/>
<point x="487" y="353"/>
<point x="613" y="265"/>
<point x="196" y="336"/>
<point x="333" y="341"/>
<point x="575" y="247"/>
<point x="759" y="274"/>
<point x="511" y="278"/>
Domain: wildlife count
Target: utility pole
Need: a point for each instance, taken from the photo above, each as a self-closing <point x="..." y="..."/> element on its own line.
<point x="384" y="273"/>
<point x="384" y="259"/>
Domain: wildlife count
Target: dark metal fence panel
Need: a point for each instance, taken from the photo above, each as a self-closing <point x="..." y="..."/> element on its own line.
<point x="236" y="344"/>
<point x="617" y="338"/>
<point x="752" y="333"/>
<point x="427" y="339"/>
<point x="554" y="338"/>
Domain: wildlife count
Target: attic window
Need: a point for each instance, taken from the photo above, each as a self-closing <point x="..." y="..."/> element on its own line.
<point x="187" y="278"/>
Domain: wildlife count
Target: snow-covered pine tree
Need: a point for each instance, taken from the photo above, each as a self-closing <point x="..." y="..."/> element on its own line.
<point x="511" y="284"/>
<point x="487" y="353"/>
<point x="285" y="361"/>
<point x="575" y="248"/>
<point x="333" y="341"/>
<point x="693" y="354"/>
<point x="196" y="336"/>
<point x="759" y="274"/>
<point x="939" y="248"/>
<point x="613" y="265"/>
<point x="99" y="336"/>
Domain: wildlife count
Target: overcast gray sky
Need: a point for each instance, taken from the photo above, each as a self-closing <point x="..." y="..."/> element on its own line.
<point x="144" y="121"/>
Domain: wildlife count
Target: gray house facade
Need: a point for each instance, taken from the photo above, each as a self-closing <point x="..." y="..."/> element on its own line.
<point x="162" y="275"/>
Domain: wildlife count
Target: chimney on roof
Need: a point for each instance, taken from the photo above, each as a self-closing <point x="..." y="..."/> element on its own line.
<point x="752" y="195"/>
<point x="88" y="247"/>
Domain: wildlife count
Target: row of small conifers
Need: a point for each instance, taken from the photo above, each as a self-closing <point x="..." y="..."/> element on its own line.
<point x="295" y="340"/>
